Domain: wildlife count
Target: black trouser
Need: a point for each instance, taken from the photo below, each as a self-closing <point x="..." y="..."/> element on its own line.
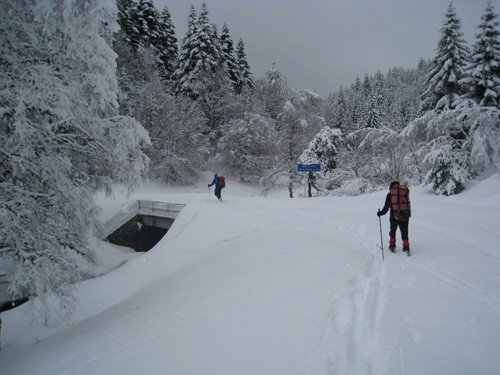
<point x="309" y="185"/>
<point x="403" y="227"/>
<point x="218" y="190"/>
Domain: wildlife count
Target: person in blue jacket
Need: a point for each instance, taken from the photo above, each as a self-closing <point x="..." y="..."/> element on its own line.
<point x="218" y="187"/>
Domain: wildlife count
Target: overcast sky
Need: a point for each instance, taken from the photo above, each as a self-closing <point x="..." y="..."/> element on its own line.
<point x="322" y="44"/>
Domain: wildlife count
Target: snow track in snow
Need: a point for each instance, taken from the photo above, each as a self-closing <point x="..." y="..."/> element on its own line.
<point x="459" y="282"/>
<point x="352" y="342"/>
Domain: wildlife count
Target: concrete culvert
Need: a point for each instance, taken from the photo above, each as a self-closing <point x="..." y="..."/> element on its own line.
<point x="143" y="225"/>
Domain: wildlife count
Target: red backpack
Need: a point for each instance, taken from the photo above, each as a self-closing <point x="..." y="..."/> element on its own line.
<point x="222" y="181"/>
<point x="400" y="202"/>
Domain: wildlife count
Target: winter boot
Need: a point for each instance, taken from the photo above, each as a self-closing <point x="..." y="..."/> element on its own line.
<point x="392" y="244"/>
<point x="406" y="246"/>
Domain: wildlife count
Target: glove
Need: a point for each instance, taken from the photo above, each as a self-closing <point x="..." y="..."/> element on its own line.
<point x="208" y="185"/>
<point x="379" y="213"/>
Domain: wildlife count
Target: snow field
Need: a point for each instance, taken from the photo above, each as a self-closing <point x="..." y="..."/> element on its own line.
<point x="256" y="285"/>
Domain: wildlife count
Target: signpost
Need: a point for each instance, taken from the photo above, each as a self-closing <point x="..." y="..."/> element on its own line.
<point x="308" y="167"/>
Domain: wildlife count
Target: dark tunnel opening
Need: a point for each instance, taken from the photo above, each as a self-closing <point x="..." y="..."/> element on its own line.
<point x="148" y="223"/>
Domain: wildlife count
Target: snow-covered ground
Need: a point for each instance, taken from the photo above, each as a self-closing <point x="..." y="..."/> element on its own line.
<point x="255" y="285"/>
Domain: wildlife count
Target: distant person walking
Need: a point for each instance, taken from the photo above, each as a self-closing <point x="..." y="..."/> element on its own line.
<point x="220" y="183"/>
<point x="398" y="201"/>
<point x="311" y="183"/>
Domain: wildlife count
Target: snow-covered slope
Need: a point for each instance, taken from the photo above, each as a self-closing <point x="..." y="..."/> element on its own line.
<point x="255" y="285"/>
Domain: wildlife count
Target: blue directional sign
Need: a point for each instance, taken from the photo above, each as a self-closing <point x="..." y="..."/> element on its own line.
<point x="308" y="167"/>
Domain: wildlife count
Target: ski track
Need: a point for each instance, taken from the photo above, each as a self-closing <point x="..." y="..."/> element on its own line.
<point x="351" y="342"/>
<point x="453" y="237"/>
<point x="453" y="280"/>
<point x="218" y="244"/>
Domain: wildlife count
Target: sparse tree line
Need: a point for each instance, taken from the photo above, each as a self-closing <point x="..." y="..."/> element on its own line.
<point x="90" y="98"/>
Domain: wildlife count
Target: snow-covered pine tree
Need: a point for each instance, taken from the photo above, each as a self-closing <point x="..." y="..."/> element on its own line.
<point x="355" y="106"/>
<point x="124" y="16"/>
<point x="366" y="87"/>
<point x="447" y="67"/>
<point x="200" y="56"/>
<point x="483" y="143"/>
<point x="371" y="116"/>
<point x="356" y="85"/>
<point x="455" y="145"/>
<point x="243" y="64"/>
<point x="142" y="27"/>
<point x="329" y="107"/>
<point x="209" y="41"/>
<point x="378" y="86"/>
<point x="447" y="140"/>
<point x="144" y="20"/>
<point x="340" y="115"/>
<point x="185" y="64"/>
<point x="483" y="72"/>
<point x="166" y="44"/>
<point x="230" y="59"/>
<point x="61" y="138"/>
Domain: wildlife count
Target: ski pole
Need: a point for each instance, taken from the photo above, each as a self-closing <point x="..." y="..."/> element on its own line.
<point x="209" y="195"/>
<point x="381" y="240"/>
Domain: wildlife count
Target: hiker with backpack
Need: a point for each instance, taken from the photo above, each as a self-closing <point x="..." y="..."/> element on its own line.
<point x="398" y="201"/>
<point x="220" y="183"/>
